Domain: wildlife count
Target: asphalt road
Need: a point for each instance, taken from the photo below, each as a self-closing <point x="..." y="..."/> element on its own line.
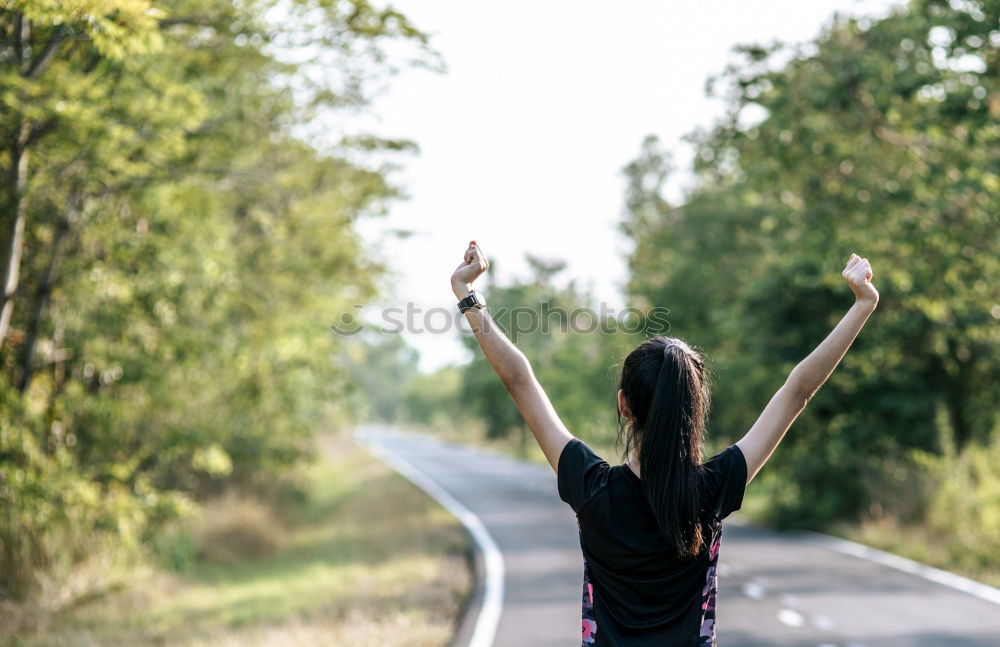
<point x="775" y="589"/>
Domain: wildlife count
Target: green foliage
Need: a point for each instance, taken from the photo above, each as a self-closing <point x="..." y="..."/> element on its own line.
<point x="434" y="399"/>
<point x="880" y="137"/>
<point x="576" y="357"/>
<point x="965" y="508"/>
<point x="182" y="250"/>
<point x="381" y="367"/>
<point x="116" y="27"/>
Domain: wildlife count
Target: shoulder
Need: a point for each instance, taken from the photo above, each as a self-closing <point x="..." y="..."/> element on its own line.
<point x="729" y="458"/>
<point x="723" y="479"/>
<point x="578" y="455"/>
<point x="580" y="473"/>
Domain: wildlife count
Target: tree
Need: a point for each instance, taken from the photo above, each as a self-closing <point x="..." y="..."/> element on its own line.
<point x="879" y="137"/>
<point x="183" y="247"/>
<point x="574" y="348"/>
<point x="35" y="35"/>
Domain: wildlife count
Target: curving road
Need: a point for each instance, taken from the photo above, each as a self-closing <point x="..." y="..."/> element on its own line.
<point x="776" y="589"/>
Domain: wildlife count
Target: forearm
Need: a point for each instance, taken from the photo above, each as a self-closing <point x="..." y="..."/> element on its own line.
<point x="810" y="374"/>
<point x="509" y="363"/>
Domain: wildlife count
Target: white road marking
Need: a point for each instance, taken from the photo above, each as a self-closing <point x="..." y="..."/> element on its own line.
<point x="957" y="582"/>
<point x="791" y="618"/>
<point x="492" y="605"/>
<point x="753" y="590"/>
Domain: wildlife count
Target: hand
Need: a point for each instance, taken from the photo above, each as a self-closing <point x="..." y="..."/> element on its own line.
<point x="473" y="264"/>
<point x="858" y="275"/>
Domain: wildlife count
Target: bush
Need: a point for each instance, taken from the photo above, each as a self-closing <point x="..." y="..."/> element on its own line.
<point x="235" y="527"/>
<point x="53" y="518"/>
<point x="965" y="507"/>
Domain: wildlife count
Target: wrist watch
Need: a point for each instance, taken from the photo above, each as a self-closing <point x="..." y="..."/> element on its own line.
<point x="474" y="300"/>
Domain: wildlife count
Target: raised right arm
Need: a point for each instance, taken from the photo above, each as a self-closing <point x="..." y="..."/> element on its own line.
<point x="809" y="375"/>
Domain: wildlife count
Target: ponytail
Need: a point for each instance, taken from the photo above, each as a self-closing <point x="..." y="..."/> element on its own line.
<point x="664" y="388"/>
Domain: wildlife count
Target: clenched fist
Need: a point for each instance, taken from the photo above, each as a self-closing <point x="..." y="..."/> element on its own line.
<point x="473" y="264"/>
<point x="858" y="275"/>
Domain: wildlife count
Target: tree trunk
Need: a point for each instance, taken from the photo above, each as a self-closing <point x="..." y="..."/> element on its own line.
<point x="17" y="181"/>
<point x="13" y="240"/>
<point x="41" y="297"/>
<point x="956" y="398"/>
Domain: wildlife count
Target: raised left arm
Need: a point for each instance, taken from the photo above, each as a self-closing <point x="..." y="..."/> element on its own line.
<point x="510" y="364"/>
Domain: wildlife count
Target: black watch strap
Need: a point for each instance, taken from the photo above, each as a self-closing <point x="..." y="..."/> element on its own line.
<point x="471" y="301"/>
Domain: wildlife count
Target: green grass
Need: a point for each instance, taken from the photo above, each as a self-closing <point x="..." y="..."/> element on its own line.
<point x="922" y="545"/>
<point x="365" y="559"/>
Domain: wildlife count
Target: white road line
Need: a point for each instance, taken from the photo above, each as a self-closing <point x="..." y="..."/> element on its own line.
<point x="791" y="618"/>
<point x="753" y="590"/>
<point x="957" y="582"/>
<point x="492" y="605"/>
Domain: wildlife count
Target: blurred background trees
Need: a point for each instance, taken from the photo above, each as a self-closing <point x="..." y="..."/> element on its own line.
<point x="173" y="251"/>
<point x="572" y="348"/>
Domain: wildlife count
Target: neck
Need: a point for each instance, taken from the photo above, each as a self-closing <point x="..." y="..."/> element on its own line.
<point x="632" y="458"/>
<point x="633" y="464"/>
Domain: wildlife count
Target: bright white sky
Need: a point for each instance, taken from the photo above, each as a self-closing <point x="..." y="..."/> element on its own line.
<point x="523" y="139"/>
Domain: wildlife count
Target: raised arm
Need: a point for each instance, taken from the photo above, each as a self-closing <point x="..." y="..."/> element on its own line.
<point x="510" y="364"/>
<point x="810" y="374"/>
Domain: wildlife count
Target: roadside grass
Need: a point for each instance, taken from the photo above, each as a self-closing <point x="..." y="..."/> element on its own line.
<point x="913" y="542"/>
<point x="922" y="545"/>
<point x="363" y="559"/>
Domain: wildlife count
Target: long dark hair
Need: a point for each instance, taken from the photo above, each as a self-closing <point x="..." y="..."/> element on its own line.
<point x="666" y="390"/>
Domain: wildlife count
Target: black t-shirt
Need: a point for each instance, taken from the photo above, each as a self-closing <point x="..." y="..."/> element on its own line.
<point x="635" y="592"/>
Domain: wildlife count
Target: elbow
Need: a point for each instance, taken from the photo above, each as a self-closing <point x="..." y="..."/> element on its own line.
<point x="799" y="390"/>
<point x="518" y="374"/>
<point x="803" y="394"/>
